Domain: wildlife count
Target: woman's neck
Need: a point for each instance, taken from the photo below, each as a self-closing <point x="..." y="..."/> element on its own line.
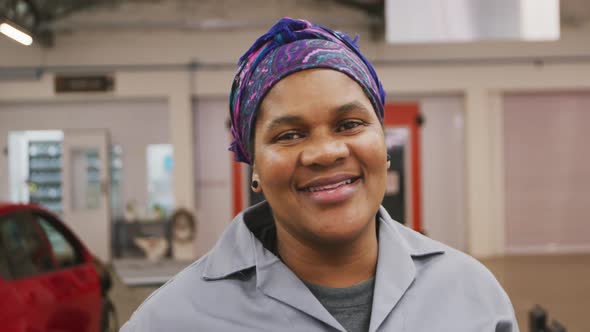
<point x="334" y="265"/>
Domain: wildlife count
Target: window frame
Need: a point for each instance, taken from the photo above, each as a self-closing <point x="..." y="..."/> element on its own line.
<point x="9" y="269"/>
<point x="71" y="239"/>
<point x="24" y="216"/>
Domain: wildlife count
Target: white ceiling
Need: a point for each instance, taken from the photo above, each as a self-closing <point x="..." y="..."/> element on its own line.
<point x="219" y="14"/>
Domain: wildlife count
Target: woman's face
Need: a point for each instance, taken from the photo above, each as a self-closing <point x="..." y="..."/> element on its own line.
<point x="320" y="156"/>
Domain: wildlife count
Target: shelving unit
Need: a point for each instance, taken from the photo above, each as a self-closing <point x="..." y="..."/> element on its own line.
<point x="116" y="175"/>
<point x="45" y="175"/>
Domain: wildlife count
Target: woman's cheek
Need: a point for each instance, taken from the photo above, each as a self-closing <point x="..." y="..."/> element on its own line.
<point x="371" y="147"/>
<point x="278" y="163"/>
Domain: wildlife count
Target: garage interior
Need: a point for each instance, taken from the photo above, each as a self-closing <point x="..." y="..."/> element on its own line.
<point x="504" y="167"/>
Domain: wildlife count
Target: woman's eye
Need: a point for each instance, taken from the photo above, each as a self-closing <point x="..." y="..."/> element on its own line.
<point x="347" y="125"/>
<point x="289" y="136"/>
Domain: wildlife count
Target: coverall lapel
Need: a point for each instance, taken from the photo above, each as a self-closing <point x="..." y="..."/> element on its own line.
<point x="277" y="281"/>
<point x="395" y="271"/>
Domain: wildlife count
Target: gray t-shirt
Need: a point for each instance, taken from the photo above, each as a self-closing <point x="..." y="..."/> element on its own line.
<point x="351" y="306"/>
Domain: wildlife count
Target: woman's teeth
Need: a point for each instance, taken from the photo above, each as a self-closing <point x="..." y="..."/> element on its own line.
<point x="328" y="187"/>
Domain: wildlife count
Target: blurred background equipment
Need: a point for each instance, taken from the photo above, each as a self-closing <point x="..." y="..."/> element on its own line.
<point x="154" y="248"/>
<point x="538" y="321"/>
<point x="183" y="229"/>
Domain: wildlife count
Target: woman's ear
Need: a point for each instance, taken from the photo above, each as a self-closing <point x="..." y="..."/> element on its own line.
<point x="255" y="182"/>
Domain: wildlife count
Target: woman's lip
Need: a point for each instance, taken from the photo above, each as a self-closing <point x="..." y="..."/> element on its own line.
<point x="332" y="196"/>
<point x="329" y="180"/>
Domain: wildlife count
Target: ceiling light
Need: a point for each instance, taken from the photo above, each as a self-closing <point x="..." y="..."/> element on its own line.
<point x="16" y="34"/>
<point x="452" y="21"/>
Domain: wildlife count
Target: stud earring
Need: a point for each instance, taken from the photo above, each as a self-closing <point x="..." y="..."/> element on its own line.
<point x="254" y="185"/>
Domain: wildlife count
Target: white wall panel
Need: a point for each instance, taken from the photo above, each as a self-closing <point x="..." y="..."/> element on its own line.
<point x="547" y="175"/>
<point x="443" y="169"/>
<point x="213" y="182"/>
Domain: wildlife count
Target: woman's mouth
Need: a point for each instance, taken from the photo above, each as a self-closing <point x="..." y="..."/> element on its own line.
<point x="331" y="193"/>
<point x="330" y="186"/>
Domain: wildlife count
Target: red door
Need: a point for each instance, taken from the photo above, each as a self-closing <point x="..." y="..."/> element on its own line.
<point x="402" y="137"/>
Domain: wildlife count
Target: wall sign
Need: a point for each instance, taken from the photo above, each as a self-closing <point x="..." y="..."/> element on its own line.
<point x="86" y="83"/>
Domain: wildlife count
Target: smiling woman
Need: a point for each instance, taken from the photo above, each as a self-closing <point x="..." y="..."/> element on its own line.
<point x="320" y="159"/>
<point x="320" y="254"/>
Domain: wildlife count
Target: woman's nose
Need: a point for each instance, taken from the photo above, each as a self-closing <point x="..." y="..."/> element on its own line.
<point x="324" y="151"/>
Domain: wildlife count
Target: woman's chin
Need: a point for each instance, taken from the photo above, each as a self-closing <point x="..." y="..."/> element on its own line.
<point x="341" y="225"/>
<point x="340" y="233"/>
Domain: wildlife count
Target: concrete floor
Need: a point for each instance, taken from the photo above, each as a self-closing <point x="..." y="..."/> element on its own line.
<point x="560" y="284"/>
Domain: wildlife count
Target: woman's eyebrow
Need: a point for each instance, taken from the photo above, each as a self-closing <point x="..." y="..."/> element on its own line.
<point x="352" y="106"/>
<point x="282" y="120"/>
<point x="295" y="119"/>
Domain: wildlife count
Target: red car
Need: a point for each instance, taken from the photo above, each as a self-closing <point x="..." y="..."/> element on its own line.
<point x="49" y="281"/>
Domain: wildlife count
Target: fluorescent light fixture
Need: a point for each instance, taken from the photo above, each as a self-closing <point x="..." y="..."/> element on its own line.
<point x="539" y="20"/>
<point x="16" y="34"/>
<point x="444" y="21"/>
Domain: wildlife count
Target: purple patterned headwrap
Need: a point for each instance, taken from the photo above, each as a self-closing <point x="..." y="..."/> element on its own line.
<point x="288" y="47"/>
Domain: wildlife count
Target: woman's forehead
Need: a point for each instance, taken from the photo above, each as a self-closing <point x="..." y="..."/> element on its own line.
<point x="317" y="89"/>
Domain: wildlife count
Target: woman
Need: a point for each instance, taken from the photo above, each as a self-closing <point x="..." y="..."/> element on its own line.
<point x="320" y="254"/>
